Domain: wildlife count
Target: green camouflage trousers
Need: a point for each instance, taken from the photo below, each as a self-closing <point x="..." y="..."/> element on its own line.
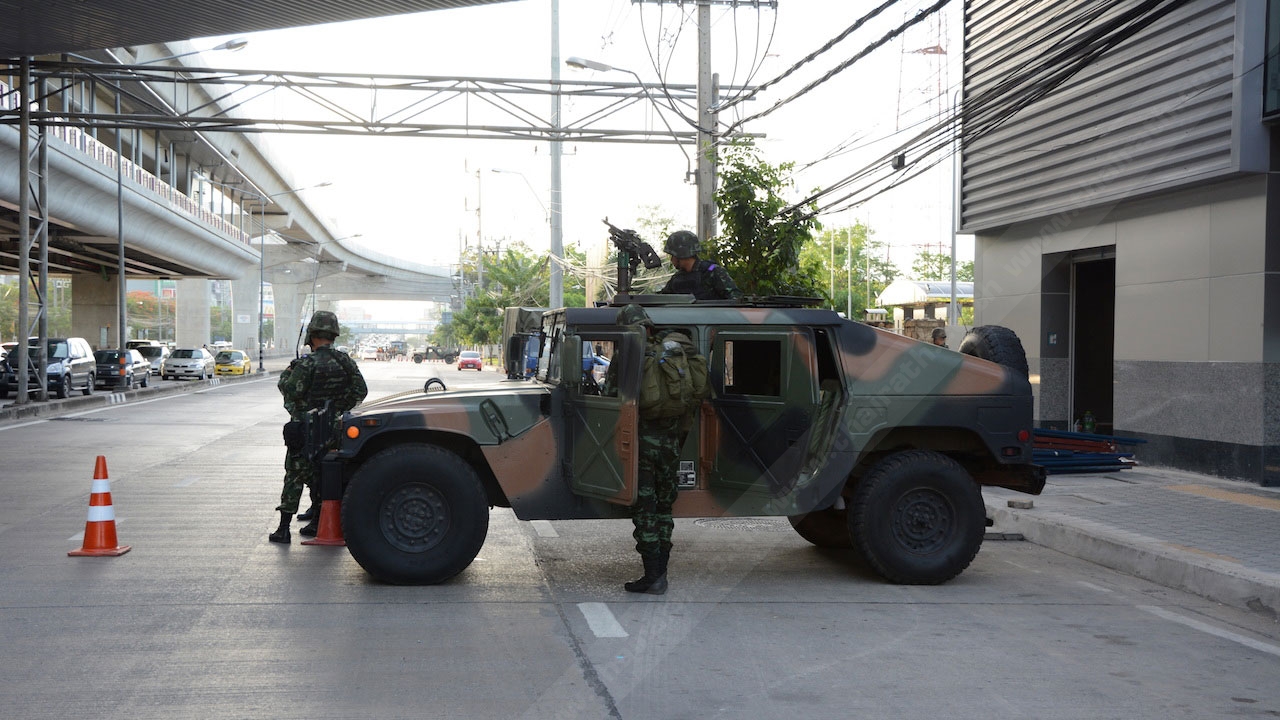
<point x="659" y="460"/>
<point x="298" y="471"/>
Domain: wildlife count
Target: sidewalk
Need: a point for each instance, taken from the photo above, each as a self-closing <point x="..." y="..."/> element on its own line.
<point x="1217" y="538"/>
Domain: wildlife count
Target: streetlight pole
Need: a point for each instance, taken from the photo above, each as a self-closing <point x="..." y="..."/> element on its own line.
<point x="557" y="150"/>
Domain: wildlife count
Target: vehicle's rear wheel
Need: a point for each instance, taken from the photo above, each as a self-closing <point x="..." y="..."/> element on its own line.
<point x="825" y="528"/>
<point x="88" y="385"/>
<point x="415" y="515"/>
<point x="999" y="345"/>
<point x="426" y="387"/>
<point x="918" y="517"/>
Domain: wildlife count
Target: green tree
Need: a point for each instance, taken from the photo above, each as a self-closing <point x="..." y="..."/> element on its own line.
<point x="8" y="308"/>
<point x="220" y="323"/>
<point x="937" y="266"/>
<point x="760" y="242"/>
<point x="851" y="264"/>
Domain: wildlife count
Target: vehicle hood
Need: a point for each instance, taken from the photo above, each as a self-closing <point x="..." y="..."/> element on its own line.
<point x="488" y="414"/>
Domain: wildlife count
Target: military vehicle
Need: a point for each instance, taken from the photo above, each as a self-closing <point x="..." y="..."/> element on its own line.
<point x="435" y="352"/>
<point x="861" y="437"/>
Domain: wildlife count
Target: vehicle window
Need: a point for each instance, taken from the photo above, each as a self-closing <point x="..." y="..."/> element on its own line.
<point x="760" y="372"/>
<point x="184" y="354"/>
<point x="59" y="351"/>
<point x="150" y="351"/>
<point x="225" y="357"/>
<point x="106" y="356"/>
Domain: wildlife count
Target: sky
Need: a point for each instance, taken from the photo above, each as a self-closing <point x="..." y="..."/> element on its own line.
<point x="416" y="198"/>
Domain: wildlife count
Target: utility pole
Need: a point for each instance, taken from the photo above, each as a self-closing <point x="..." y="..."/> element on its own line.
<point x="706" y="173"/>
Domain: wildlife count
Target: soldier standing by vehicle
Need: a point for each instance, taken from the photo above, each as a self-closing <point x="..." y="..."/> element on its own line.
<point x="703" y="279"/>
<point x="324" y="376"/>
<point x="665" y="418"/>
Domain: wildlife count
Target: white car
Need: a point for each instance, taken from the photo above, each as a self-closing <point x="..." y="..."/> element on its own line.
<point x="187" y="362"/>
<point x="368" y="353"/>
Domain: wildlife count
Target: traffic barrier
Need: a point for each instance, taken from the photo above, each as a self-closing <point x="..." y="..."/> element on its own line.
<point x="330" y="530"/>
<point x="100" y="528"/>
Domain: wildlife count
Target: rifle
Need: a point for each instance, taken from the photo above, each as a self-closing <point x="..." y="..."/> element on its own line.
<point x="631" y="251"/>
<point x="317" y="431"/>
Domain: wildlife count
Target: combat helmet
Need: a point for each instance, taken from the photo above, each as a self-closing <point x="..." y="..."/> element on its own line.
<point x="633" y="315"/>
<point x="323" y="323"/>
<point x="682" y="244"/>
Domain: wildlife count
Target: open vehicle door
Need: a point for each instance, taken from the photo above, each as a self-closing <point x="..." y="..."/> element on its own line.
<point x="601" y="415"/>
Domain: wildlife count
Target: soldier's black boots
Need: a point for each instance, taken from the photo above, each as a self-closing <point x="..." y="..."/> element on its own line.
<point x="281" y="535"/>
<point x="654" y="581"/>
<point x="309" y="530"/>
<point x="309" y="514"/>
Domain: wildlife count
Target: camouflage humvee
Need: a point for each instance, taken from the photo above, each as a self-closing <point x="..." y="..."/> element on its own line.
<point x="861" y="437"/>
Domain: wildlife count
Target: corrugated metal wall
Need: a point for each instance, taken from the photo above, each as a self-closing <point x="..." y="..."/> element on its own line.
<point x="1154" y="113"/>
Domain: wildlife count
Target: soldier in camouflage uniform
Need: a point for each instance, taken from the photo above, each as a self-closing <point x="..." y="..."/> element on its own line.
<point x="659" y="460"/>
<point x="324" y="375"/>
<point x="702" y="279"/>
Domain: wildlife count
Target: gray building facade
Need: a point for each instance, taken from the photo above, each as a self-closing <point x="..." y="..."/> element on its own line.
<point x="1127" y="222"/>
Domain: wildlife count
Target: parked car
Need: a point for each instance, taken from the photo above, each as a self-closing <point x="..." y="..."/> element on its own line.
<point x="188" y="362"/>
<point x="368" y="353"/>
<point x="70" y="367"/>
<point x="232" y="362"/>
<point x="121" y="369"/>
<point x="470" y="359"/>
<point x="155" y="354"/>
<point x="138" y="344"/>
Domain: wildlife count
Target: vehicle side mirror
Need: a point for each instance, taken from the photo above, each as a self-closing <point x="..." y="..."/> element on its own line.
<point x="571" y="362"/>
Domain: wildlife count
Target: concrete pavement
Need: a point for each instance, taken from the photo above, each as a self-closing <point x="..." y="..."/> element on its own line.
<point x="1217" y="538"/>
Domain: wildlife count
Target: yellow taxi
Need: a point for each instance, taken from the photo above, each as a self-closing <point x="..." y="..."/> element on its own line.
<point x="232" y="362"/>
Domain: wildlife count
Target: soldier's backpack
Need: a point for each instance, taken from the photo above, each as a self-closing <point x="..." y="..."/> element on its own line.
<point x="674" y="377"/>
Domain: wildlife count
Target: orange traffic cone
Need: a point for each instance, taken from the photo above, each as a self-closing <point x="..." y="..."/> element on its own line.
<point x="330" y="530"/>
<point x="100" y="528"/>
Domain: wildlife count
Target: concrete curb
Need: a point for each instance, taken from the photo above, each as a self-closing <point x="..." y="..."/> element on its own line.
<point x="38" y="410"/>
<point x="1148" y="558"/>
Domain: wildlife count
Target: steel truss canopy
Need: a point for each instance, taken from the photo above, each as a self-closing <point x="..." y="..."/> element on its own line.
<point x="42" y="27"/>
<point x="364" y="104"/>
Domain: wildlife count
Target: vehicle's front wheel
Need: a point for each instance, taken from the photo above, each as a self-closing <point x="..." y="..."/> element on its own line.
<point x="146" y="380"/>
<point x="415" y="515"/>
<point x="918" y="517"/>
<point x="825" y="528"/>
<point x="64" y="386"/>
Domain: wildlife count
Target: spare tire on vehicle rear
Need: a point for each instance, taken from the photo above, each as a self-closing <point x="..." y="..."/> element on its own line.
<point x="999" y="345"/>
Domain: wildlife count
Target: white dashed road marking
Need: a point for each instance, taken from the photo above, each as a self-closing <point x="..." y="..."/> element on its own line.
<point x="544" y="528"/>
<point x="601" y="621"/>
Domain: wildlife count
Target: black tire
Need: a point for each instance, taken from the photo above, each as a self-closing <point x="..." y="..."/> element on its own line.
<point x="146" y="380"/>
<point x="64" y="386"/>
<point x="415" y="515"/>
<point x="918" y="518"/>
<point x="825" y="528"/>
<point x="997" y="344"/>
<point x="4" y="392"/>
<point x="417" y="359"/>
<point x="426" y="387"/>
<point x="88" y="385"/>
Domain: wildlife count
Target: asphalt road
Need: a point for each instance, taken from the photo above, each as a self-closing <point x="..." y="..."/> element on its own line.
<point x="205" y="618"/>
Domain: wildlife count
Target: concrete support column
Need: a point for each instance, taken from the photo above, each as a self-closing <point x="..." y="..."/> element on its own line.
<point x="244" y="324"/>
<point x="191" y="309"/>
<point x="288" y="304"/>
<point x="93" y="309"/>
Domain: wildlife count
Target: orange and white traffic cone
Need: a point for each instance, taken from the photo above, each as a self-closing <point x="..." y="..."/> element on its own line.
<point x="330" y="530"/>
<point x="100" y="528"/>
